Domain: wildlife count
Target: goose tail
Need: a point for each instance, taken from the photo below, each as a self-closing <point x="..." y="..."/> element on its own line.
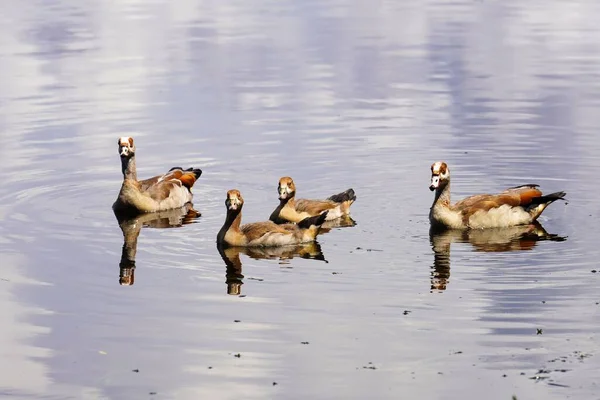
<point x="549" y="198"/>
<point x="539" y="204"/>
<point x="347" y="195"/>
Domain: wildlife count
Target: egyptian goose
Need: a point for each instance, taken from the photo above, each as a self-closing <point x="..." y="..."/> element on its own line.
<point x="515" y="206"/>
<point x="163" y="192"/>
<point x="264" y="233"/>
<point x="292" y="210"/>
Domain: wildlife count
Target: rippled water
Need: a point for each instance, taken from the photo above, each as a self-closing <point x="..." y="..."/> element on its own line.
<point x="336" y="94"/>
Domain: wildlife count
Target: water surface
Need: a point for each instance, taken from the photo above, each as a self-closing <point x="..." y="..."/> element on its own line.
<point x="335" y="94"/>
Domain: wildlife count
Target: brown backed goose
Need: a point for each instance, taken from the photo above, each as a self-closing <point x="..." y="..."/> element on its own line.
<point x="514" y="206"/>
<point x="264" y="233"/>
<point x="292" y="210"/>
<point x="162" y="192"/>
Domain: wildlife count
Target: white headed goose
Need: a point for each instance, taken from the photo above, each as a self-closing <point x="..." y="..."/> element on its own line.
<point x="163" y="192"/>
<point x="264" y="233"/>
<point x="515" y="206"/>
<point x="292" y="210"/>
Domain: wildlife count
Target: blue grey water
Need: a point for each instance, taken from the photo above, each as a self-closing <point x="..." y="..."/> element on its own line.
<point x="336" y="94"/>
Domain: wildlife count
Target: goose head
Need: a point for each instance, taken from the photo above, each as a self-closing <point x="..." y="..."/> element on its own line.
<point x="440" y="175"/>
<point x="126" y="146"/>
<point x="286" y="188"/>
<point x="234" y="200"/>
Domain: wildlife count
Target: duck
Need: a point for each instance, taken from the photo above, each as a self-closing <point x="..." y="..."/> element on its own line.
<point x="519" y="205"/>
<point x="292" y="210"/>
<point x="267" y="233"/>
<point x="162" y="192"/>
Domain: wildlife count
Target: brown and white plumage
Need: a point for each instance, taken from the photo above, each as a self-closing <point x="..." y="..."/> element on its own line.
<point x="515" y="206"/>
<point x="291" y="209"/>
<point x="162" y="192"/>
<point x="264" y="233"/>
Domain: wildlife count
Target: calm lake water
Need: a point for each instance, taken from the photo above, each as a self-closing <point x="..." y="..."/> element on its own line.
<point x="336" y="94"/>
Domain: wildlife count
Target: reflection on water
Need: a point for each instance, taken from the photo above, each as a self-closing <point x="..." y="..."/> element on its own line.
<point x="516" y="238"/>
<point x="231" y="256"/>
<point x="131" y="226"/>
<point x="340" y="93"/>
<point x="344" y="221"/>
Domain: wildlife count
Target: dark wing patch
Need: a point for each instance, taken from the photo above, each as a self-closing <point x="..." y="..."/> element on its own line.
<point x="347" y="195"/>
<point x="316" y="220"/>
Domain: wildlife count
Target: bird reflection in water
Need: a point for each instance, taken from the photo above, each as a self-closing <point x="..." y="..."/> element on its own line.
<point x="231" y="257"/>
<point x="131" y="225"/>
<point x="345" y="221"/>
<point x="516" y="238"/>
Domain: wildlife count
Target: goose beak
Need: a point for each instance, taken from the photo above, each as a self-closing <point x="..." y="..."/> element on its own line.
<point x="435" y="182"/>
<point x="283" y="193"/>
<point x="231" y="204"/>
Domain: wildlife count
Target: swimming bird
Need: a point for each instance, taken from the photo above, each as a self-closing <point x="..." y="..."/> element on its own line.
<point x="518" y="205"/>
<point x="264" y="233"/>
<point x="292" y="210"/>
<point x="162" y="192"/>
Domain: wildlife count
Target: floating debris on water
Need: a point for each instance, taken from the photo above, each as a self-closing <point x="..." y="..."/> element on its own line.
<point x="369" y="366"/>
